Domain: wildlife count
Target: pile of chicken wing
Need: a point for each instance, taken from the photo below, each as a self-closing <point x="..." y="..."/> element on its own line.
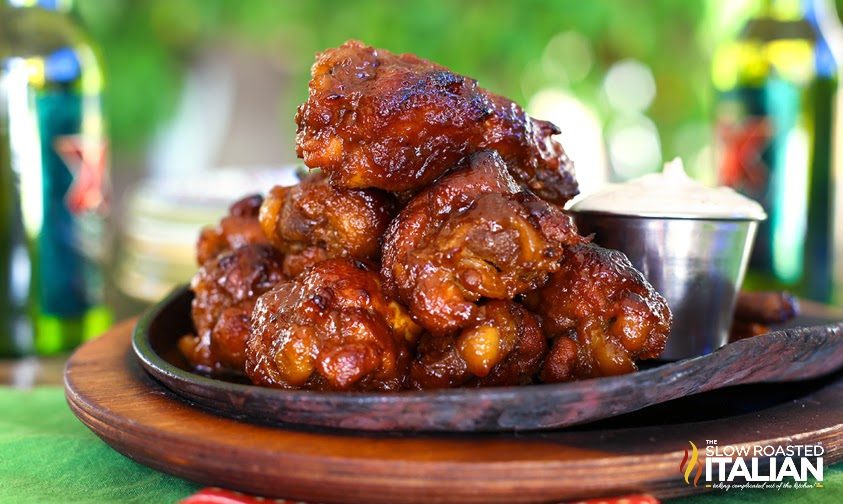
<point x="427" y="248"/>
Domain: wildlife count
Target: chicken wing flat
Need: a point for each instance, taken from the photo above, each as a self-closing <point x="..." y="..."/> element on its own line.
<point x="225" y="290"/>
<point x="330" y="328"/>
<point x="240" y="227"/>
<point x="474" y="234"/>
<point x="313" y="221"/>
<point x="602" y="314"/>
<point x="397" y="122"/>
<point x="504" y="346"/>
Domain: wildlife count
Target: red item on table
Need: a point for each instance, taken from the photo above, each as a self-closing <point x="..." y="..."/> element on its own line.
<point x="220" y="496"/>
<point x="215" y="495"/>
<point x="624" y="499"/>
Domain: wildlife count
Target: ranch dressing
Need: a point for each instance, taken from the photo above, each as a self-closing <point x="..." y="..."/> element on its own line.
<point x="671" y="194"/>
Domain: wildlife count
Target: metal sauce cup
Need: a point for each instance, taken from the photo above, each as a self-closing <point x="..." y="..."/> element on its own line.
<point x="697" y="264"/>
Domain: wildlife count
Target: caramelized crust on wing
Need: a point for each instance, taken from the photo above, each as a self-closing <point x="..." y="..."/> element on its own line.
<point x="534" y="158"/>
<point x="603" y="314"/>
<point x="330" y="328"/>
<point x="313" y="221"/>
<point x="296" y="262"/>
<point x="397" y="122"/>
<point x="503" y="346"/>
<point x="472" y="235"/>
<point x="240" y="227"/>
<point x="226" y="289"/>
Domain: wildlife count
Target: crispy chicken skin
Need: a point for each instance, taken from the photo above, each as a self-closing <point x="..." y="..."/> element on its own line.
<point x="225" y="290"/>
<point x="602" y="314"/>
<point x="398" y="122"/>
<point x="240" y="227"/>
<point x="472" y="235"/>
<point x="503" y="346"/>
<point x="313" y="221"/>
<point x="330" y="328"/>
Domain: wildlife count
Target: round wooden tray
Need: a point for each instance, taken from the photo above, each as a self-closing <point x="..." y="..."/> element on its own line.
<point x="109" y="391"/>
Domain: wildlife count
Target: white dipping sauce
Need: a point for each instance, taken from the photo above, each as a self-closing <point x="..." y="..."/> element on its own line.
<point x="671" y="193"/>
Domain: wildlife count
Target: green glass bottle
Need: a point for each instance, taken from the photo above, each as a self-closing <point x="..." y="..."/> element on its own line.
<point x="777" y="85"/>
<point x="53" y="182"/>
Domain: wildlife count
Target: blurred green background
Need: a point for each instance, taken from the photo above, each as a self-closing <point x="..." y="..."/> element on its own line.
<point x="657" y="50"/>
<point x="507" y="45"/>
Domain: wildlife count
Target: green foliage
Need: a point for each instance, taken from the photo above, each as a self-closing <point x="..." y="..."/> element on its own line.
<point x="148" y="44"/>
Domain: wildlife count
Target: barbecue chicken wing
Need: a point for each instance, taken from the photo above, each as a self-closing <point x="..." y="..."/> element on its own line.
<point x="330" y="328"/>
<point x="313" y="221"/>
<point x="755" y="310"/>
<point x="472" y="235"/>
<point x="240" y="227"/>
<point x="503" y="346"/>
<point x="397" y="122"/>
<point x="602" y="314"/>
<point x="226" y="289"/>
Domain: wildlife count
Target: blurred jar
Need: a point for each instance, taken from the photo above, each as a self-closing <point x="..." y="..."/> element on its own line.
<point x="53" y="181"/>
<point x="779" y="136"/>
<point x="163" y="217"/>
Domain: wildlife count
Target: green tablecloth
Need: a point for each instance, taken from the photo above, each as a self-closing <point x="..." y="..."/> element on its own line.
<point x="47" y="456"/>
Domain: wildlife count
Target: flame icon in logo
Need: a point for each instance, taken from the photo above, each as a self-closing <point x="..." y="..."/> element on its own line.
<point x="686" y="467"/>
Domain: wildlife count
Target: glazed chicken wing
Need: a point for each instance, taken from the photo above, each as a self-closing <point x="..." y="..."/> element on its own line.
<point x="330" y="328"/>
<point x="240" y="227"/>
<point x="503" y="346"/>
<point x="472" y="235"/>
<point x="602" y="314"/>
<point x="397" y="122"/>
<point x="313" y="221"/>
<point x="755" y="310"/>
<point x="225" y="290"/>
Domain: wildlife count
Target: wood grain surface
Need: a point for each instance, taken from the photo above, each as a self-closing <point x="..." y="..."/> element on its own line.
<point x="109" y="391"/>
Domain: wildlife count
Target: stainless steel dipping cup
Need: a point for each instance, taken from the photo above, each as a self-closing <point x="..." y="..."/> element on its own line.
<point x="697" y="264"/>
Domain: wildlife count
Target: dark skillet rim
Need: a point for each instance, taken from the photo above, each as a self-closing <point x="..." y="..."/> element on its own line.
<point x="661" y="382"/>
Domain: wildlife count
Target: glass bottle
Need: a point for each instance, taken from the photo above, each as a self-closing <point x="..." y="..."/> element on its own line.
<point x="778" y="142"/>
<point x="53" y="181"/>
